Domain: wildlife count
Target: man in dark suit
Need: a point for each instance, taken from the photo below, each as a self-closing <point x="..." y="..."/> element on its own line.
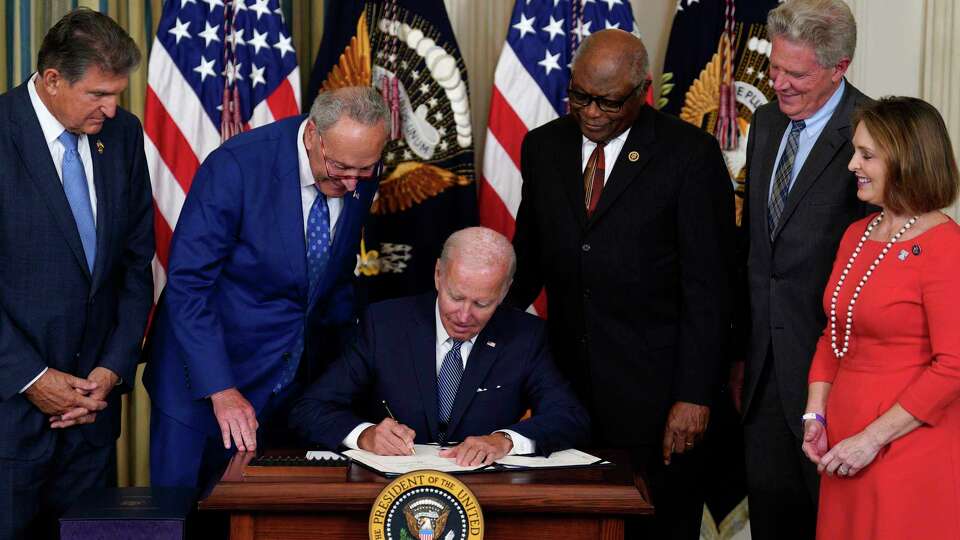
<point x="452" y="366"/>
<point x="76" y="241"/>
<point x="261" y="268"/>
<point x="627" y="219"/>
<point x="800" y="199"/>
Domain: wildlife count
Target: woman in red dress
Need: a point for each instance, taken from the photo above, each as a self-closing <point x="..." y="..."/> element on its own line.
<point x="883" y="416"/>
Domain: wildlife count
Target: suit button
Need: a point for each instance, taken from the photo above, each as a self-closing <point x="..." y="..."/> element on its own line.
<point x="586" y="293"/>
<point x="77" y="356"/>
<point x="585" y="247"/>
<point x="583" y="339"/>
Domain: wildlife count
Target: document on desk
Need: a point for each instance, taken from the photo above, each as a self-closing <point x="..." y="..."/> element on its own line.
<point x="428" y="457"/>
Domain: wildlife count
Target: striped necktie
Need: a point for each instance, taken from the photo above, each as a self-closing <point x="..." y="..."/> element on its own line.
<point x="593" y="179"/>
<point x="781" y="181"/>
<point x="448" y="382"/>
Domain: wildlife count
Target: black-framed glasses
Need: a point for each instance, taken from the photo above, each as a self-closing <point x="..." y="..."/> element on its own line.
<point x="582" y="99"/>
<point x="337" y="171"/>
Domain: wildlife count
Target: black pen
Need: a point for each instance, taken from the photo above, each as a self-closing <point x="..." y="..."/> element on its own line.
<point x="394" y="418"/>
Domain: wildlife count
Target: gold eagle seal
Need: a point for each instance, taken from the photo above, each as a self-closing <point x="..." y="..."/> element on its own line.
<point x="426" y="505"/>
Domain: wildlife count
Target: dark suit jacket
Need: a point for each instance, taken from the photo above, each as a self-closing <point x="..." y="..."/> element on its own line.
<point x="787" y="276"/>
<point x="638" y="294"/>
<point x="235" y="305"/>
<point x="394" y="359"/>
<point x="53" y="312"/>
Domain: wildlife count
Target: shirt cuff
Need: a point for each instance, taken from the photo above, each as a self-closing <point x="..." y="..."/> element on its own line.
<point x="521" y="444"/>
<point x="29" y="384"/>
<point x="352" y="438"/>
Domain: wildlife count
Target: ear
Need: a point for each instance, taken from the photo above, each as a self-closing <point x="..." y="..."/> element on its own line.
<point x="51" y="80"/>
<point x="840" y="70"/>
<point x="436" y="276"/>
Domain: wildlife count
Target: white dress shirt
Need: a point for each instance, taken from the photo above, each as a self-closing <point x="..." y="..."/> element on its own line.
<point x="521" y="444"/>
<point x="308" y="193"/>
<point x="610" y="153"/>
<point x="52" y="129"/>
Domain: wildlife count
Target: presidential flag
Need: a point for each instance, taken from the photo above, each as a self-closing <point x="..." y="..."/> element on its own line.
<point x="216" y="67"/>
<point x="530" y="89"/>
<point x="407" y="50"/>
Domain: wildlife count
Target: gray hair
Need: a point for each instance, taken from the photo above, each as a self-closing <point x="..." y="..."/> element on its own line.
<point x="480" y="247"/>
<point x="363" y="104"/>
<point x="827" y="26"/>
<point x="639" y="60"/>
<point x="84" y="38"/>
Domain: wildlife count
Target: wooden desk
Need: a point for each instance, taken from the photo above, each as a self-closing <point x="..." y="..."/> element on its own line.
<point x="573" y="503"/>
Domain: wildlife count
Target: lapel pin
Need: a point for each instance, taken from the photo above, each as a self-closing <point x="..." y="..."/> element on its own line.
<point x="99" y="146"/>
<point x="915" y="249"/>
<point x="903" y="255"/>
<point x="633" y="156"/>
<point x="481" y="389"/>
<point x="491" y="344"/>
<point x="356" y="195"/>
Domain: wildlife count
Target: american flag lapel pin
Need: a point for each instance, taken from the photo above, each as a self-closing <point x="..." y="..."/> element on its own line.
<point x="356" y="195"/>
<point x="99" y="146"/>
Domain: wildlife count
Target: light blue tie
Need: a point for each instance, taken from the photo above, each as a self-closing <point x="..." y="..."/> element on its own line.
<point x="78" y="195"/>
<point x="448" y="381"/>
<point x="318" y="254"/>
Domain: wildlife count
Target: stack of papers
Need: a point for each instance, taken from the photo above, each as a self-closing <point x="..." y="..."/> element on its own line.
<point x="428" y="457"/>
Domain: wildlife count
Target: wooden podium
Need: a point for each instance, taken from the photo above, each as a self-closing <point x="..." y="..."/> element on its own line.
<point x="569" y="503"/>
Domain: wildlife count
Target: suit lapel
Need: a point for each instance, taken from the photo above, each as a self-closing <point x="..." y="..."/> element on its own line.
<point x="570" y="170"/>
<point x="37" y="159"/>
<point x="833" y="137"/>
<point x="288" y="206"/>
<point x="104" y="215"/>
<point x="481" y="359"/>
<point x="639" y="144"/>
<point x="423" y="341"/>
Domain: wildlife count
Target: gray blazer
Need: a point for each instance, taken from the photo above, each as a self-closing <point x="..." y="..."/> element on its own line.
<point x="786" y="276"/>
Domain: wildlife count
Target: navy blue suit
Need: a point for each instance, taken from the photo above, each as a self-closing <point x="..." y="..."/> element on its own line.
<point x="55" y="313"/>
<point x="236" y="303"/>
<point x="509" y="371"/>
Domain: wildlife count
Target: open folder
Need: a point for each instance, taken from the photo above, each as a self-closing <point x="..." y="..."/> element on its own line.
<point x="428" y="457"/>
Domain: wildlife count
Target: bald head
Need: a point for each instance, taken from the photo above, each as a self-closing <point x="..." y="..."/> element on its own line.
<point x="480" y="248"/>
<point x="613" y="53"/>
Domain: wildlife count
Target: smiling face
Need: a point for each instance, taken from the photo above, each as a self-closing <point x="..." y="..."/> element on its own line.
<point x="870" y="167"/>
<point x="802" y="85"/>
<point x="82" y="107"/>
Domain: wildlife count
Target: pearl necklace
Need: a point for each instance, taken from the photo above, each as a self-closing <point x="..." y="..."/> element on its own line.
<point x="840" y="352"/>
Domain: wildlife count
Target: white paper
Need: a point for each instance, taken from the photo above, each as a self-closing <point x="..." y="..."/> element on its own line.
<point x="428" y="457"/>
<point x="563" y="458"/>
<point x="323" y="454"/>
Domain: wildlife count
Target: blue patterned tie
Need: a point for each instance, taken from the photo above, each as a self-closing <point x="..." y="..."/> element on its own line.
<point x="781" y="180"/>
<point x="318" y="254"/>
<point x="448" y="381"/>
<point x="78" y="195"/>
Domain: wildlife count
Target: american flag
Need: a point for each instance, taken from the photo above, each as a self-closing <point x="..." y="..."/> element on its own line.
<point x="530" y="89"/>
<point x="192" y="77"/>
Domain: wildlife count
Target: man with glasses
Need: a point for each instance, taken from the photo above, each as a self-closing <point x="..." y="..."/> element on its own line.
<point x="627" y="220"/>
<point x="259" y="292"/>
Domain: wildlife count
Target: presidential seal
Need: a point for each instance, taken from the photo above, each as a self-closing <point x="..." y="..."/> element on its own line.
<point x="426" y="505"/>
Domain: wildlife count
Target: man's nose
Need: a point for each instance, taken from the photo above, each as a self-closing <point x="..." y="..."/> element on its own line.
<point x="350" y="183"/>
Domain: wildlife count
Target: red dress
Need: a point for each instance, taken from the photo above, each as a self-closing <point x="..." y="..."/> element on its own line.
<point x="904" y="347"/>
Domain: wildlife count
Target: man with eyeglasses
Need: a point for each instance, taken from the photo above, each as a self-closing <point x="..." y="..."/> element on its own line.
<point x="259" y="295"/>
<point x="627" y="220"/>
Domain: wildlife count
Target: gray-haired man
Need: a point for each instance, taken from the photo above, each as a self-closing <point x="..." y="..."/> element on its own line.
<point x="800" y="199"/>
<point x="260" y="271"/>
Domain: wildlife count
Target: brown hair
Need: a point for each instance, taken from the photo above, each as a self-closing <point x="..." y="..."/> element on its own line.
<point x="84" y="38"/>
<point x="913" y="141"/>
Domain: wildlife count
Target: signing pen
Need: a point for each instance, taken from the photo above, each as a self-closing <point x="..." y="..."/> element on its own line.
<point x="394" y="418"/>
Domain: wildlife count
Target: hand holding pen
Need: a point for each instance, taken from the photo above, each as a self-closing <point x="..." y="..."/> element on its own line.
<point x="388" y="438"/>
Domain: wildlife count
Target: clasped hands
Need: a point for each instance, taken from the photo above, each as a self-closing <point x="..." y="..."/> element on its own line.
<point x="390" y="438"/>
<point x="846" y="458"/>
<point x="70" y="400"/>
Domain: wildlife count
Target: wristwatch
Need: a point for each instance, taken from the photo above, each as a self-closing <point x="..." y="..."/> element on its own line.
<point x="812" y="416"/>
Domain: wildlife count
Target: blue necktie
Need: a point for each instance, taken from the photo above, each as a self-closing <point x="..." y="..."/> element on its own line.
<point x="318" y="254"/>
<point x="781" y="181"/>
<point x="448" y="381"/>
<point x="78" y="195"/>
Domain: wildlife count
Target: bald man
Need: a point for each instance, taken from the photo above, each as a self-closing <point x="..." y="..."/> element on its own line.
<point x="453" y="366"/>
<point x="627" y="220"/>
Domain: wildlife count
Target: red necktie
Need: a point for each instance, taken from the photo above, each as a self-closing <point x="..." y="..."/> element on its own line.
<point x="593" y="179"/>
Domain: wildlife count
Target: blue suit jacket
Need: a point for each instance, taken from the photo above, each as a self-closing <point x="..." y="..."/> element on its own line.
<point x="236" y="301"/>
<point x="509" y="370"/>
<point x="53" y="311"/>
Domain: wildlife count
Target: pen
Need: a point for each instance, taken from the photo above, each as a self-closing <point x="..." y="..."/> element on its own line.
<point x="394" y="418"/>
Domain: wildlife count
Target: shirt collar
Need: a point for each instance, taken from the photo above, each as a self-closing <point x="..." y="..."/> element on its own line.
<point x="621" y="138"/>
<point x="442" y="335"/>
<point x="306" y="175"/>
<point x="52" y="128"/>
<point x="819" y="119"/>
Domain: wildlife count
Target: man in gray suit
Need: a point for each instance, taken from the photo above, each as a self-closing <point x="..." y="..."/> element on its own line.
<point x="800" y="199"/>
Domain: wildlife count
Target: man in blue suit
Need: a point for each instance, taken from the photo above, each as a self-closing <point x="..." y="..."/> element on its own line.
<point x="261" y="264"/>
<point x="76" y="241"/>
<point x="452" y="366"/>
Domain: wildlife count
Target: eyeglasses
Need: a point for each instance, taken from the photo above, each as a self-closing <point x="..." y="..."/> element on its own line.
<point x="583" y="99"/>
<point x="337" y="171"/>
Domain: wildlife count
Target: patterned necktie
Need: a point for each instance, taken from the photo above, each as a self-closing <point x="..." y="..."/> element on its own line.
<point x="78" y="195"/>
<point x="448" y="381"/>
<point x="781" y="181"/>
<point x="593" y="179"/>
